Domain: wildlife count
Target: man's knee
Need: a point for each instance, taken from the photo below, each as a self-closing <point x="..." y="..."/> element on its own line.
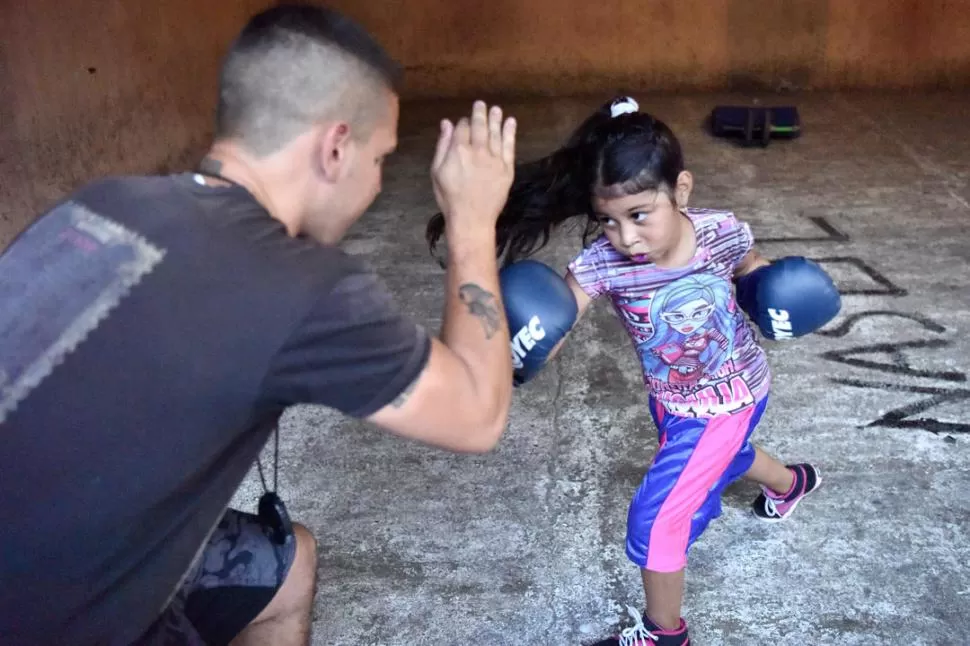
<point x="295" y="595"/>
<point x="303" y="572"/>
<point x="306" y="547"/>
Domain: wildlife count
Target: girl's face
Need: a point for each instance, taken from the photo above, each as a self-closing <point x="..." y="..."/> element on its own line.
<point x="647" y="226"/>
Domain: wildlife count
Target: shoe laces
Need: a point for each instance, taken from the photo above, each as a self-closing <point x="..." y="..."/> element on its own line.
<point x="637" y="633"/>
<point x="770" y="506"/>
<point x="771" y="503"/>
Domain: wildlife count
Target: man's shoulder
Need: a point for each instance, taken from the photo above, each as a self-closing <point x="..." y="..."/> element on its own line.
<point x="212" y="241"/>
<point x="224" y="225"/>
<point x="121" y="187"/>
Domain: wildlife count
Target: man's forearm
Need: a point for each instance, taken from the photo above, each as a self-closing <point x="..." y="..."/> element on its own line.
<point x="475" y="326"/>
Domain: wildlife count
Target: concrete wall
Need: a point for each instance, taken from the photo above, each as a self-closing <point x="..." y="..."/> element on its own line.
<point x="130" y="86"/>
<point x="546" y="46"/>
<point x="126" y="88"/>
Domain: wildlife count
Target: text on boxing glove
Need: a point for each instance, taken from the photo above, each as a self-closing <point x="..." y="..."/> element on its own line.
<point x="525" y="339"/>
<point x="780" y="323"/>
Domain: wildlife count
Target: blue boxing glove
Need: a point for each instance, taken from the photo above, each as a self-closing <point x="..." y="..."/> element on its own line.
<point x="540" y="309"/>
<point x="789" y="298"/>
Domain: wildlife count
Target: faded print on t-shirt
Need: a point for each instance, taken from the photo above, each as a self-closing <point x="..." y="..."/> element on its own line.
<point x="58" y="281"/>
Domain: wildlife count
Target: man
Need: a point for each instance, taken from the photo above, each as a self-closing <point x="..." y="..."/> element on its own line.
<point x="155" y="328"/>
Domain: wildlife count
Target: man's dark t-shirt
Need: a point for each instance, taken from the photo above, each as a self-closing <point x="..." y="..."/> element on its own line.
<point x="153" y="330"/>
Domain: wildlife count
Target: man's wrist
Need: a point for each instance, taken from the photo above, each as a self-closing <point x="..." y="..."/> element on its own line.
<point x="470" y="239"/>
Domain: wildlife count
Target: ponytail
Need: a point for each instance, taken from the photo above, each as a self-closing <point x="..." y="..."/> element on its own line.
<point x="547" y="192"/>
<point x="544" y="194"/>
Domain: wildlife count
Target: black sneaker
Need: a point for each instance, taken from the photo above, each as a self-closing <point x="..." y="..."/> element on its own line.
<point x="771" y="507"/>
<point x="646" y="633"/>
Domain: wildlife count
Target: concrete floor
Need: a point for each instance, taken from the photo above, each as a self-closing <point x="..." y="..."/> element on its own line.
<point x="524" y="546"/>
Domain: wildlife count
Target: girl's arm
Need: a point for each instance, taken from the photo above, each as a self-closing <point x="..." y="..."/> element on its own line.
<point x="751" y="261"/>
<point x="582" y="304"/>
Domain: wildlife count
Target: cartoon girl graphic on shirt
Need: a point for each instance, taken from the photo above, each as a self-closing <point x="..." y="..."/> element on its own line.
<point x="693" y="329"/>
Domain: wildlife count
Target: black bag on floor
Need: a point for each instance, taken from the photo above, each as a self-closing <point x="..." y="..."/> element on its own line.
<point x="756" y="125"/>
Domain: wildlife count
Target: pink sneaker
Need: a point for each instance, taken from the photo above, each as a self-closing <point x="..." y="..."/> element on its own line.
<point x="772" y="507"/>
<point x="644" y="632"/>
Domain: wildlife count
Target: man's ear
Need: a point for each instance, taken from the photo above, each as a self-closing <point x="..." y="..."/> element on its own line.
<point x="685" y="184"/>
<point x="333" y="150"/>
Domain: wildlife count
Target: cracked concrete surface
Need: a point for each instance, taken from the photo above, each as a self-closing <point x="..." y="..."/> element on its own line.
<point x="524" y="545"/>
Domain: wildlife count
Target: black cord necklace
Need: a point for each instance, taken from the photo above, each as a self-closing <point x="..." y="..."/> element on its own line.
<point x="271" y="509"/>
<point x="209" y="167"/>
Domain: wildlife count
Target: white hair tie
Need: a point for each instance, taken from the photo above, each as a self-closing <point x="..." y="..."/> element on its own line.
<point x="626" y="105"/>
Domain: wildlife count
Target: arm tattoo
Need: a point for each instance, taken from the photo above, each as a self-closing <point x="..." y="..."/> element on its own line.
<point x="402" y="398"/>
<point x="481" y="303"/>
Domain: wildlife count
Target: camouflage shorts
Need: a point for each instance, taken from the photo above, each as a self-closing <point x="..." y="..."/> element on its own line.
<point x="234" y="579"/>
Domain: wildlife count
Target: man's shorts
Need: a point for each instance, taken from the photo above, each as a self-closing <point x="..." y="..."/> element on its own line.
<point x="681" y="492"/>
<point x="234" y="579"/>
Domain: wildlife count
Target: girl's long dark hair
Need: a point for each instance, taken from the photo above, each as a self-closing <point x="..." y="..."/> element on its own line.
<point x="606" y="156"/>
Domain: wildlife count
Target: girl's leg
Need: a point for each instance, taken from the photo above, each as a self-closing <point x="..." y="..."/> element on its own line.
<point x="769" y="472"/>
<point x="680" y="494"/>
<point x="665" y="594"/>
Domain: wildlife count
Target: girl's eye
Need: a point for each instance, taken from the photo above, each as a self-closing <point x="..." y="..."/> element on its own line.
<point x="608" y="222"/>
<point x="641" y="217"/>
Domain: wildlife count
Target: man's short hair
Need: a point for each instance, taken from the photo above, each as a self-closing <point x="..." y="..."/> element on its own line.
<point x="294" y="65"/>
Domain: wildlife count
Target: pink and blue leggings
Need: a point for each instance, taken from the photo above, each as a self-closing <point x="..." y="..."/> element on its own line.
<point x="681" y="492"/>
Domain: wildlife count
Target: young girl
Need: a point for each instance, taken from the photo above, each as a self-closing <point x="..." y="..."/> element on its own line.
<point x="668" y="270"/>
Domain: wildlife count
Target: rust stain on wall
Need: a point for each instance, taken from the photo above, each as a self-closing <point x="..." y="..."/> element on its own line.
<point x="130" y="87"/>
